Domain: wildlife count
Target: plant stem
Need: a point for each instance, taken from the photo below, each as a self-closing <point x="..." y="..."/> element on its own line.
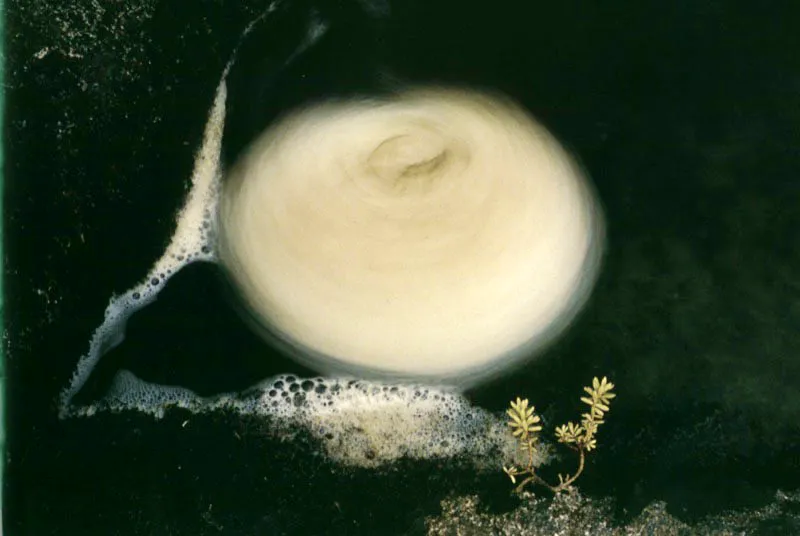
<point x="530" y="455"/>
<point x="533" y="477"/>
<point x="574" y="477"/>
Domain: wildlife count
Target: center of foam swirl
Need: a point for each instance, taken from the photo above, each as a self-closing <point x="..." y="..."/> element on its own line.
<point x="407" y="159"/>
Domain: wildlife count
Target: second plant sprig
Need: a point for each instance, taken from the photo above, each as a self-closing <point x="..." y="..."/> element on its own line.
<point x="581" y="438"/>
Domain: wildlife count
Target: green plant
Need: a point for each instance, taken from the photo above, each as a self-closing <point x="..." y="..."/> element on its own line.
<point x="581" y="438"/>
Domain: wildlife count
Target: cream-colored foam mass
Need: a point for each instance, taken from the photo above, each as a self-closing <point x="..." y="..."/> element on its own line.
<point x="433" y="233"/>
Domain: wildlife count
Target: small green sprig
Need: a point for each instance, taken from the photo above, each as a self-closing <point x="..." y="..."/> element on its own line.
<point x="524" y="422"/>
<point x="581" y="438"/>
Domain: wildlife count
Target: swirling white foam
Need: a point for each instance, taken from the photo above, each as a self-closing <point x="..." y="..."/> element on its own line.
<point x="359" y="422"/>
<point x="434" y="233"/>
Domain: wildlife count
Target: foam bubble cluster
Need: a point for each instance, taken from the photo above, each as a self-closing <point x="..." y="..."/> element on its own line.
<point x="425" y="234"/>
<point x="357" y="422"/>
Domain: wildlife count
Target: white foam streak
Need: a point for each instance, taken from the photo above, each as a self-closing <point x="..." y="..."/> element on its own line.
<point x="192" y="241"/>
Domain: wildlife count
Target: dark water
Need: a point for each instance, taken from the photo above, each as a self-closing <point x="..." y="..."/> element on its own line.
<point x="686" y="115"/>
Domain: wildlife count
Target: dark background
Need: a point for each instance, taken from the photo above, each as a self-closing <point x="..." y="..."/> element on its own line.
<point x="686" y="115"/>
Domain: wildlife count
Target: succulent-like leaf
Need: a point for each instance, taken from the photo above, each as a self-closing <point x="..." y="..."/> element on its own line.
<point x="569" y="433"/>
<point x="602" y="390"/>
<point x="511" y="472"/>
<point x="523" y="419"/>
<point x="520" y="406"/>
<point x="590" y="427"/>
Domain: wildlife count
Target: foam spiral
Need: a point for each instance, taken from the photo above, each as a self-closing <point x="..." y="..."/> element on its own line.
<point x="436" y="233"/>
